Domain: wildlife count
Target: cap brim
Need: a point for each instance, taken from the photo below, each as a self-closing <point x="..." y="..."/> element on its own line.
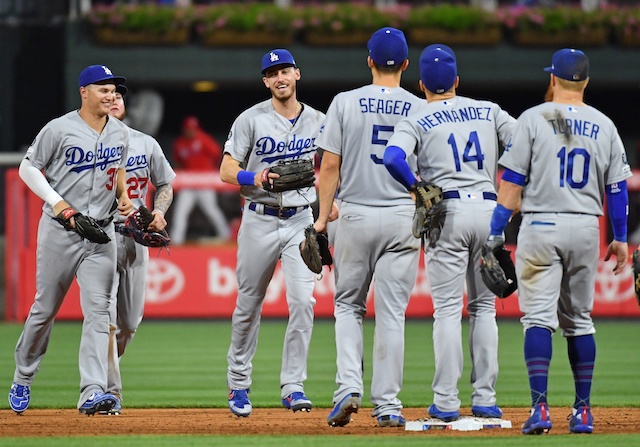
<point x="116" y="80"/>
<point x="548" y="69"/>
<point x="278" y="65"/>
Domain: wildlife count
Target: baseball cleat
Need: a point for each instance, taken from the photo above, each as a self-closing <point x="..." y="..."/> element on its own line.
<point x="341" y="413"/>
<point x="115" y="411"/>
<point x="297" y="401"/>
<point x="580" y="420"/>
<point x="19" y="397"/>
<point x="539" y="422"/>
<point x="446" y="416"/>
<point x="391" y="420"/>
<point x="486" y="412"/>
<point x="239" y="403"/>
<point x="98" y="402"/>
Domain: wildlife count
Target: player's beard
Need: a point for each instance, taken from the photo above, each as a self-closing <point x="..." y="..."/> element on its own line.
<point x="286" y="95"/>
<point x="548" y="96"/>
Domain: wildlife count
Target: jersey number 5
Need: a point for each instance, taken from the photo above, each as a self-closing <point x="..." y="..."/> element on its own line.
<point x="376" y="139"/>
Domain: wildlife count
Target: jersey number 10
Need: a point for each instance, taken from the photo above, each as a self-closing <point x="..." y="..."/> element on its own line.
<point x="567" y="163"/>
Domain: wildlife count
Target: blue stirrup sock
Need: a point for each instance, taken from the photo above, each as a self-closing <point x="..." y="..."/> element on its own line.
<point x="537" y="355"/>
<point x="582" y="357"/>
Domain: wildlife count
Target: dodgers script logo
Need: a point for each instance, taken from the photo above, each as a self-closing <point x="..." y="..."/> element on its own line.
<point x="281" y="150"/>
<point x="82" y="160"/>
<point x="137" y="162"/>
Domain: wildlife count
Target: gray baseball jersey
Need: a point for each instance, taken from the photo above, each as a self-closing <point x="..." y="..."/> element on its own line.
<point x="146" y="164"/>
<point x="259" y="138"/>
<point x="81" y="165"/>
<point x="457" y="143"/>
<point x="568" y="154"/>
<point x="372" y="238"/>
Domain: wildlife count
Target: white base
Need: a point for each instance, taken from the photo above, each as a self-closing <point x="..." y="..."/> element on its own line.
<point x="462" y="424"/>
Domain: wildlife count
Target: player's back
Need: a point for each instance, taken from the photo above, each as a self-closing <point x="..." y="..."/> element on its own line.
<point x="459" y="141"/>
<point x="569" y="154"/>
<point x="358" y="126"/>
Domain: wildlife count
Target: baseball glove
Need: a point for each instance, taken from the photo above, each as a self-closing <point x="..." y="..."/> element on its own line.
<point x="314" y="250"/>
<point x="428" y="218"/>
<point x="136" y="227"/>
<point x="85" y="226"/>
<point x="294" y="174"/>
<point x="636" y="273"/>
<point x="497" y="269"/>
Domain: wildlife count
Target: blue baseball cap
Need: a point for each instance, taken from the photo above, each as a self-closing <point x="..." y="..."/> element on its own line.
<point x="438" y="69"/>
<point x="388" y="47"/>
<point x="95" y="74"/>
<point x="277" y="57"/>
<point x="569" y="64"/>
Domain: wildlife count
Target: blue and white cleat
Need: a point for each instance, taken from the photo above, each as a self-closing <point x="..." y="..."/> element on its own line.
<point x="446" y="416"/>
<point x="539" y="422"/>
<point x="581" y="421"/>
<point x="19" y="397"/>
<point x="486" y="412"/>
<point x="239" y="403"/>
<point x="297" y="401"/>
<point x="391" y="420"/>
<point x="98" y="402"/>
<point x="341" y="413"/>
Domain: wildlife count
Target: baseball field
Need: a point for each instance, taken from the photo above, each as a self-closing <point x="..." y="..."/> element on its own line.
<point x="175" y="392"/>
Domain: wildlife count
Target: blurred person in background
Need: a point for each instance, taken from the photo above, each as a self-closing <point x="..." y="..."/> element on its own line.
<point x="196" y="150"/>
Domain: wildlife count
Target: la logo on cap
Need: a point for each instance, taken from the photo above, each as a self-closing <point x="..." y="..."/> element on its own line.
<point x="274" y="57"/>
<point x="107" y="71"/>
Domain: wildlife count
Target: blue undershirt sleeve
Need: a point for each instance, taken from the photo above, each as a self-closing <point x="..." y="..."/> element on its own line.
<point x="395" y="160"/>
<point x="618" y="209"/>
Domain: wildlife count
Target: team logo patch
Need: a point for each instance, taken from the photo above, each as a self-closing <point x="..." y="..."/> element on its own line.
<point x="107" y="71"/>
<point x="274" y="57"/>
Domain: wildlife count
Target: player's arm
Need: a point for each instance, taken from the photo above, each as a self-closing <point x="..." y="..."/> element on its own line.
<point x="509" y="193"/>
<point x="328" y="185"/>
<point x="618" y="210"/>
<point x="162" y="199"/>
<point x="231" y="172"/>
<point x="395" y="160"/>
<point x="125" y="206"/>
<point x="37" y="182"/>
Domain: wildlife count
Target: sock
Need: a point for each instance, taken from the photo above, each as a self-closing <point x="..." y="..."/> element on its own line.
<point x="537" y="355"/>
<point x="582" y="357"/>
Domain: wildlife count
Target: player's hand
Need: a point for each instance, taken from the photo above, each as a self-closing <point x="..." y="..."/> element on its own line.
<point x="158" y="223"/>
<point x="58" y="207"/>
<point x="335" y="212"/>
<point x="125" y="205"/>
<point x="320" y="226"/>
<point x="621" y="252"/>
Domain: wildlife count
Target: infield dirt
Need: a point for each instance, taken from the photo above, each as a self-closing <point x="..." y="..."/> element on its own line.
<point x="276" y="421"/>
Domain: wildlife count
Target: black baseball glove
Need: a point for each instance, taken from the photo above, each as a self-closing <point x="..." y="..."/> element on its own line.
<point x="85" y="226"/>
<point x="137" y="227"/>
<point x="315" y="250"/>
<point x="294" y="174"/>
<point x="497" y="269"/>
<point x="428" y="218"/>
<point x="636" y="273"/>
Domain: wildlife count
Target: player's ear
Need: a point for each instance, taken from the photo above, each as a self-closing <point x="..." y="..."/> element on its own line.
<point x="297" y="74"/>
<point x="423" y="89"/>
<point x="369" y="62"/>
<point x="405" y="64"/>
<point x="457" y="83"/>
<point x="264" y="80"/>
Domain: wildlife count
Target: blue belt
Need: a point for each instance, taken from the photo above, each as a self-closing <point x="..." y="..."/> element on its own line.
<point x="281" y="213"/>
<point x="456" y="195"/>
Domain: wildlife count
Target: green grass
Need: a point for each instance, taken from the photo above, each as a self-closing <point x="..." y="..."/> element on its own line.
<point x="183" y="364"/>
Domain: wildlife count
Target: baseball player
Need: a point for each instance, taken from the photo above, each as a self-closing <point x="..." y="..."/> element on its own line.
<point x="357" y="127"/>
<point x="76" y="163"/>
<point x="457" y="143"/>
<point x="565" y="157"/>
<point x="146" y="164"/>
<point x="278" y="129"/>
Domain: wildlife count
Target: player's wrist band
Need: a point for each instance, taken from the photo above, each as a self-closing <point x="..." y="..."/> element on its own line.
<point x="246" y="178"/>
<point x="500" y="219"/>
